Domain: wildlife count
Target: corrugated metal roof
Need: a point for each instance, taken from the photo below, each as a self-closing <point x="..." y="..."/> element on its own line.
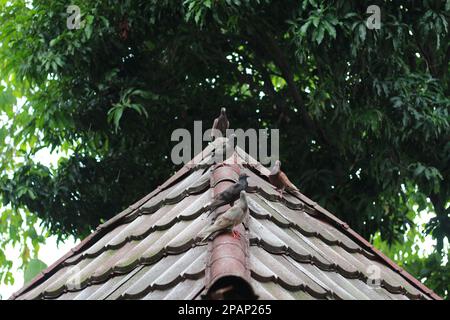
<point x="296" y="249"/>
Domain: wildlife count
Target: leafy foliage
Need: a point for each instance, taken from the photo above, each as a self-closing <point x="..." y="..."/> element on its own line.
<point x="33" y="268"/>
<point x="364" y="114"/>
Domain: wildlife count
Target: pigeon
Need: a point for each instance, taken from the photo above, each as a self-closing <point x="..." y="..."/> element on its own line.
<point x="279" y="179"/>
<point x="230" y="194"/>
<point x="224" y="150"/>
<point x="231" y="218"/>
<point x="220" y="125"/>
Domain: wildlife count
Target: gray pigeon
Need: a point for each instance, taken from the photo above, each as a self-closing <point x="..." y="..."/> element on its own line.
<point x="220" y="125"/>
<point x="230" y="194"/>
<point x="227" y="221"/>
<point x="279" y="179"/>
<point x="224" y="150"/>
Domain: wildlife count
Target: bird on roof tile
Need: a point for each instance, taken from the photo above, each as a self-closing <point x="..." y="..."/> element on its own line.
<point x="228" y="220"/>
<point x="279" y="179"/>
<point x="230" y="194"/>
<point x="220" y="125"/>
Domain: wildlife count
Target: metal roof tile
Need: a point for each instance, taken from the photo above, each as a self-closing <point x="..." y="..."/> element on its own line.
<point x="277" y="269"/>
<point x="96" y="247"/>
<point x="58" y="280"/>
<point x="80" y="295"/>
<point x="185" y="290"/>
<point x="180" y="231"/>
<point x="188" y="185"/>
<point x="68" y="296"/>
<point x="143" y="279"/>
<point x="271" y="291"/>
<point x="168" y="272"/>
<point x="103" y="290"/>
<point x="189" y="208"/>
<point x="328" y="256"/>
<point x="306" y="223"/>
<point x="335" y="283"/>
<point x="154" y="246"/>
<point x="260" y="234"/>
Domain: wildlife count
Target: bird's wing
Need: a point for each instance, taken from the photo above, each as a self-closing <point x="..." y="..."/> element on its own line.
<point x="221" y="223"/>
<point x="286" y="182"/>
<point x="241" y="216"/>
<point x="222" y="198"/>
<point x="276" y="181"/>
<point x="228" y="193"/>
<point x="232" y="214"/>
<point x="225" y="221"/>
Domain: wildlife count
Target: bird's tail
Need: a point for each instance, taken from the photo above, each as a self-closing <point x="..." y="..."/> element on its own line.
<point x="208" y="232"/>
<point x="213" y="206"/>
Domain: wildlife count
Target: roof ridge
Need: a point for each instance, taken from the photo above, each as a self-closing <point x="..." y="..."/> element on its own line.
<point x="227" y="266"/>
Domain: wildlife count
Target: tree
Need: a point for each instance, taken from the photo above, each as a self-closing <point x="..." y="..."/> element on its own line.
<point x="363" y="113"/>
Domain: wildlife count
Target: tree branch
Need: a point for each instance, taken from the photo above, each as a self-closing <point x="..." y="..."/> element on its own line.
<point x="280" y="60"/>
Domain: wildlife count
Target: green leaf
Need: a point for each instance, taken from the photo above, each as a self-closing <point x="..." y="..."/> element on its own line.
<point x="315" y="21"/>
<point x="197" y="16"/>
<point x="32" y="269"/>
<point x="88" y="31"/>
<point x="320" y="34"/>
<point x="116" y="114"/>
<point x="304" y="28"/>
<point x="419" y="169"/>
<point x="330" y="29"/>
<point x="53" y="42"/>
<point x="7" y="101"/>
<point x="362" y="31"/>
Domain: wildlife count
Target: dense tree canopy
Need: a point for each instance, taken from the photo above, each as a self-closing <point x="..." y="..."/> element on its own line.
<point x="363" y="113"/>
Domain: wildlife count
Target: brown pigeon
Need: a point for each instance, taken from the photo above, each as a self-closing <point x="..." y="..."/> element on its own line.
<point x="230" y="194"/>
<point x="279" y="179"/>
<point x="231" y="218"/>
<point x="220" y="125"/>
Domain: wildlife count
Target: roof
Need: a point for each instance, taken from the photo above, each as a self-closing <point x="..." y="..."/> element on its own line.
<point x="290" y="248"/>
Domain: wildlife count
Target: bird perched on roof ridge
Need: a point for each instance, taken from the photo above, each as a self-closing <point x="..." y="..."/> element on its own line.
<point x="229" y="219"/>
<point x="223" y="151"/>
<point x="279" y="179"/>
<point x="220" y="125"/>
<point x="230" y="194"/>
